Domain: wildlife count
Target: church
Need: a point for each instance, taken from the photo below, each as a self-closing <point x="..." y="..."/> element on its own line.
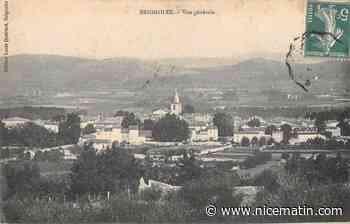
<point x="176" y="106"/>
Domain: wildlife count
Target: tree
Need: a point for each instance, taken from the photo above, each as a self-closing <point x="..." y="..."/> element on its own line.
<point x="268" y="179"/>
<point x="113" y="170"/>
<point x="89" y="129"/>
<point x="211" y="189"/>
<point x="31" y="135"/>
<point x="69" y="129"/>
<point x="270" y="141"/>
<point x="287" y="133"/>
<point x="344" y="127"/>
<point x="190" y="170"/>
<point x="295" y="190"/>
<point x="3" y="134"/>
<point x="257" y="159"/>
<point x="245" y="141"/>
<point x="189" y="109"/>
<point x="316" y="141"/>
<point x="130" y="119"/>
<point x="254" y="141"/>
<point x="255" y="122"/>
<point x="85" y="176"/>
<point x="262" y="141"/>
<point x="320" y="124"/>
<point x="5" y="153"/>
<point x="22" y="178"/>
<point x="170" y="128"/>
<point x="121" y="113"/>
<point x="118" y="170"/>
<point x="224" y="123"/>
<point x="270" y="129"/>
<point x="285" y="156"/>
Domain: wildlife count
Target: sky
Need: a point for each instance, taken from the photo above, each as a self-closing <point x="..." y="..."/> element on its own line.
<point x="114" y="28"/>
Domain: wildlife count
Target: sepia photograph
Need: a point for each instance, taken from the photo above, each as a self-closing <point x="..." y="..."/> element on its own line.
<point x="175" y="111"/>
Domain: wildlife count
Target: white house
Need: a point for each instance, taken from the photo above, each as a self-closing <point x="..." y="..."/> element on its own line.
<point x="158" y="114"/>
<point x="109" y="122"/>
<point x="49" y="125"/>
<point x="117" y="134"/>
<point x="332" y="127"/>
<point x="85" y="120"/>
<point x="15" y="121"/>
<point x="238" y="136"/>
<point x="207" y="134"/>
<point x="100" y="144"/>
<point x="157" y="185"/>
<point x="304" y="134"/>
<point x="198" y="117"/>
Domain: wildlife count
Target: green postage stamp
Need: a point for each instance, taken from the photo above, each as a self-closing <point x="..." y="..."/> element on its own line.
<point x="327" y="29"/>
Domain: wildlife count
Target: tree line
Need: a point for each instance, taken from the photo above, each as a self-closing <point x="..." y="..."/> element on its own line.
<point x="32" y="135"/>
<point x="33" y="113"/>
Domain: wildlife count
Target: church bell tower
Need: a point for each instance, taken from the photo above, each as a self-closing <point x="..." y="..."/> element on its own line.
<point x="176" y="106"/>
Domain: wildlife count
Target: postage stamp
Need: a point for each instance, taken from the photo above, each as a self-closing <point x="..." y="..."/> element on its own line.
<point x="327" y="29"/>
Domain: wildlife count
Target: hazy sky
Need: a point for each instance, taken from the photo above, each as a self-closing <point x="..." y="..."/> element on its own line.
<point x="114" y="28"/>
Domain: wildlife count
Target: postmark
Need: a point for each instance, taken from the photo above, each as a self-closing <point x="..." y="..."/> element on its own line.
<point x="328" y="26"/>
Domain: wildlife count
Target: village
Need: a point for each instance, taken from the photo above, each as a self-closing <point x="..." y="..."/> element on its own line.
<point x="249" y="135"/>
<point x="170" y="147"/>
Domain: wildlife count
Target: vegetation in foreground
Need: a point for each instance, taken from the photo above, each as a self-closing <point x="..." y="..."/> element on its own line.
<point x="82" y="197"/>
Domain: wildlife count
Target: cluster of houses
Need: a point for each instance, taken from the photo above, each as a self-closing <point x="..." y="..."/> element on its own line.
<point x="109" y="130"/>
<point x="302" y="130"/>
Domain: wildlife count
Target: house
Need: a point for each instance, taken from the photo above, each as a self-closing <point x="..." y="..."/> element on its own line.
<point x="304" y="134"/>
<point x="85" y="138"/>
<point x="65" y="149"/>
<point x="100" y="144"/>
<point x="134" y="137"/>
<point x="201" y="127"/>
<point x="262" y="121"/>
<point x="158" y="186"/>
<point x="121" y="135"/>
<point x="15" y="121"/>
<point x="68" y="155"/>
<point x="49" y="125"/>
<point x="139" y="156"/>
<point x="109" y="122"/>
<point x="332" y="127"/>
<point x="250" y="134"/>
<point x="85" y="120"/>
<point x="158" y="114"/>
<point x="206" y="134"/>
<point x="198" y="117"/>
<point x="147" y="134"/>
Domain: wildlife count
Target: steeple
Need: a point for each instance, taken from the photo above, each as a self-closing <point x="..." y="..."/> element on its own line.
<point x="176" y="97"/>
<point x="176" y="107"/>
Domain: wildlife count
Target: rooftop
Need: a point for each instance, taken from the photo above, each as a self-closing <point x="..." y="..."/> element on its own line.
<point x="18" y="119"/>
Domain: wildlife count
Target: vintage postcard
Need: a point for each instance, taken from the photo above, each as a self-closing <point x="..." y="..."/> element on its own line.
<point x="174" y="111"/>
